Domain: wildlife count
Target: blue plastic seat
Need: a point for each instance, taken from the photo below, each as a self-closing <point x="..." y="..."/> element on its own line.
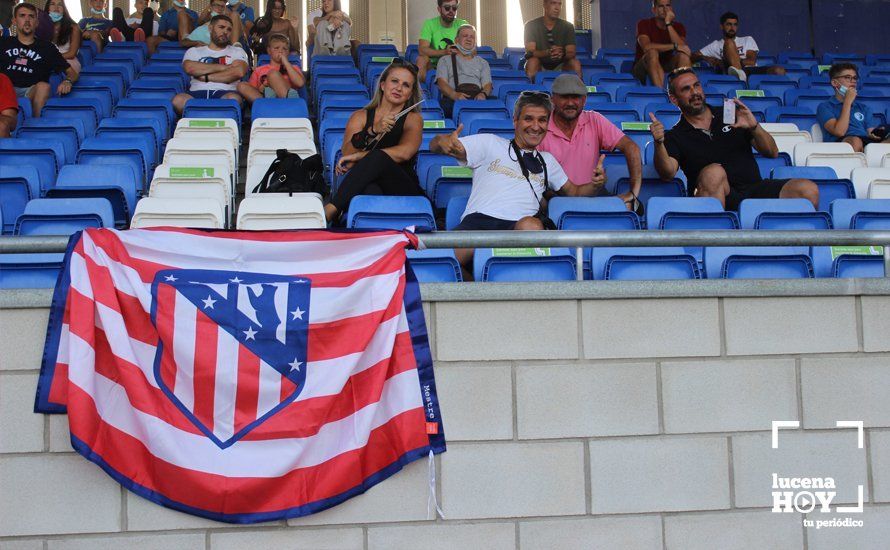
<point x="820" y="83"/>
<point x="454" y="211"/>
<point x="465" y="110"/>
<point x="618" y="112"/>
<point x="70" y="132"/>
<point x="347" y="106"/>
<point x="643" y="263"/>
<point x="802" y="117"/>
<point x="134" y="152"/>
<point x="141" y="108"/>
<point x="546" y="78"/>
<point x="30" y="270"/>
<point x="689" y="213"/>
<point x="113" y="77"/>
<point x="858" y="265"/>
<point x="164" y="73"/>
<point x="116" y="183"/>
<point x="592" y="213"/>
<point x="19" y="183"/>
<point x="725" y="84"/>
<point x="337" y="95"/>
<point x="610" y="83"/>
<point x="155" y="89"/>
<point x="772" y="85"/>
<point x="640" y="96"/>
<point x="213" y="108"/>
<point x="43" y="154"/>
<point x="365" y="52"/>
<point x="63" y="216"/>
<point x="435" y="265"/>
<point x="390" y="212"/>
<point x="442" y="186"/>
<point x="86" y="109"/>
<point x="666" y="113"/>
<point x="782" y="214"/>
<point x="126" y="68"/>
<point x="498" y="127"/>
<point x="500" y="265"/>
<point x="765" y="262"/>
<point x="317" y="61"/>
<point x="767" y="165"/>
<point x="114" y="86"/>
<point x="121" y="56"/>
<point x="831" y="188"/>
<point x="140" y="47"/>
<point x="810" y="99"/>
<point x="653" y="187"/>
<point x="100" y="93"/>
<point x="122" y="127"/>
<point x="759" y="105"/>
<point x="829" y="58"/>
<point x="872" y="214"/>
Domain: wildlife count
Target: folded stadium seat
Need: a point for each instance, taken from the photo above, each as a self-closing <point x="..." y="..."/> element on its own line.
<point x="465" y="110"/>
<point x="771" y="85"/>
<point x="168" y="55"/>
<point x="103" y="97"/>
<point x="164" y="73"/>
<point x="643" y="264"/>
<point x="121" y="128"/>
<point x="757" y="104"/>
<point x="139" y="47"/>
<point x="63" y="216"/>
<point x="666" y="113"/>
<point x="866" y="214"/>
<point x="365" y="52"/>
<point x="43" y="154"/>
<point x="500" y="64"/>
<point x="640" y="96"/>
<point x="137" y="151"/>
<point x="498" y="127"/>
<point x="546" y="78"/>
<point x="820" y="83"/>
<point x="638" y="132"/>
<point x="829" y="58"/>
<point x="125" y="68"/>
<point x="454" y="211"/>
<point x="618" y="112"/>
<point x="155" y="89"/>
<point x="390" y="212"/>
<point x="201" y="189"/>
<point x="725" y="84"/>
<point x="514" y="76"/>
<point x="372" y="76"/>
<point x="338" y="91"/>
<point x="767" y="164"/>
<point x="880" y="60"/>
<point x="174" y="47"/>
<point x="796" y="57"/>
<point x="859" y="265"/>
<point x="782" y="214"/>
<point x="69" y="132"/>
<point x="213" y="174"/>
<point x="189" y="151"/>
<point x="86" y="56"/>
<point x="523" y="264"/>
<point x="141" y="108"/>
<point x="30" y="270"/>
<point x="786" y="135"/>
<point x="444" y="182"/>
<point x="327" y="98"/>
<point x="275" y="211"/>
<point x="265" y="59"/>
<point x="653" y="187"/>
<point x="199" y="213"/>
<point x="296" y="142"/>
<point x="810" y="99"/>
<point x="214" y="108"/>
<point x="839" y="156"/>
<point x="431" y="109"/>
<point x="115" y="78"/>
<point x="330" y="154"/>
<point x="506" y="90"/>
<point x="116" y="183"/>
<point x="333" y="76"/>
<point x="113" y="84"/>
<point x="435" y="265"/>
<point x="615" y="55"/>
<point x="427" y="161"/>
<point x="24" y="110"/>
<point x="346" y="106"/>
<point x="87" y="110"/>
<point x="592" y="213"/>
<point x="877" y="155"/>
<point x="689" y="214"/>
<point x="610" y="83"/>
<point x="595" y="67"/>
<point x="801" y="117"/>
<point x="877" y="101"/>
<point x="19" y="184"/>
<point x="758" y="262"/>
<point x="872" y="183"/>
<point x="122" y="55"/>
<point x="442" y="126"/>
<point x="201" y="128"/>
<point x="830" y="186"/>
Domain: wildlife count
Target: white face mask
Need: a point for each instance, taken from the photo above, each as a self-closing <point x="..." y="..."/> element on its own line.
<point x="842" y="90"/>
<point x="463" y="50"/>
<point x="233" y="2"/>
<point x="154" y="5"/>
<point x="178" y="4"/>
<point x="94" y="11"/>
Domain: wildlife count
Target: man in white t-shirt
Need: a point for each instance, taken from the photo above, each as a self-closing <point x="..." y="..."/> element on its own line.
<point x="735" y="55"/>
<point x="215" y="69"/>
<point x="510" y="177"/>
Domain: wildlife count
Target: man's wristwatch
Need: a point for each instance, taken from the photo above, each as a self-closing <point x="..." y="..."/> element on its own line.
<point x="668" y="24"/>
<point x="68" y="80"/>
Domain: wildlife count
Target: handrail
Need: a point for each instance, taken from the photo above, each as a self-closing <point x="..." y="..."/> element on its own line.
<point x="577" y="239"/>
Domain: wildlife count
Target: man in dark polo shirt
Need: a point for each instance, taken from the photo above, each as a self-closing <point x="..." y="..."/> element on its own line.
<point x="661" y="44"/>
<point x="717" y="157"/>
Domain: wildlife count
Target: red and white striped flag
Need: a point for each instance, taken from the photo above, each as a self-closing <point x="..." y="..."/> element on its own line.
<point x="242" y="376"/>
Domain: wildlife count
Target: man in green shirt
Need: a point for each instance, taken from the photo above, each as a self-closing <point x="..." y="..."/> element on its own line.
<point x="550" y="42"/>
<point x="437" y="36"/>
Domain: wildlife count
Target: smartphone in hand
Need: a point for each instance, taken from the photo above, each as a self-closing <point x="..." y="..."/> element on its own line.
<point x="728" y="111"/>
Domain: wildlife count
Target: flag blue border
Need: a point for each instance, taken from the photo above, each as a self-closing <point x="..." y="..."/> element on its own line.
<point x="42" y="404"/>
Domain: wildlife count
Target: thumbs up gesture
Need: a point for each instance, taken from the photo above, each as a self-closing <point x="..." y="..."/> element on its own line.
<point x="451" y="144"/>
<point x="657" y="128"/>
<point x="599" y="173"/>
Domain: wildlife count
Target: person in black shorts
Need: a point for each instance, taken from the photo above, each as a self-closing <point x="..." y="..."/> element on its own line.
<point x="717" y="157"/>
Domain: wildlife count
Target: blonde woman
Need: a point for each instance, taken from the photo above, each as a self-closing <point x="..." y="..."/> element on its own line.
<point x="379" y="147"/>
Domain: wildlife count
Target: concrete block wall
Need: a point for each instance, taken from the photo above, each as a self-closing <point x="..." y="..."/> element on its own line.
<point x="598" y="423"/>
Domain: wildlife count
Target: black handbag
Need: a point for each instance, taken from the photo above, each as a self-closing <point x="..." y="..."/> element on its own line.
<point x="289" y="173"/>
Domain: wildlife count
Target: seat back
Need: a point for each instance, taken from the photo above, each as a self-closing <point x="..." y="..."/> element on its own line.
<point x="63" y="216"/>
<point x="514" y="265"/>
<point x="389" y="212"/>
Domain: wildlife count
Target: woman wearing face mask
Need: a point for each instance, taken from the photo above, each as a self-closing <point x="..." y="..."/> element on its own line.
<point x="472" y="77"/>
<point x="140" y="25"/>
<point x="66" y="33"/>
<point x="275" y="21"/>
<point x="380" y="147"/>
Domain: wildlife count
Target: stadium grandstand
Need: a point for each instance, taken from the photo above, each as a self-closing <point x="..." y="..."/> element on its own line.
<point x="630" y="376"/>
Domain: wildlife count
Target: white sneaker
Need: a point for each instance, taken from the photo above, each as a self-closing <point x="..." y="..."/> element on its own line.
<point x="738" y="73"/>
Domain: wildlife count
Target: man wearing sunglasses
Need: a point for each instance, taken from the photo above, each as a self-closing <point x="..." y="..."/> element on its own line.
<point x="716" y="157"/>
<point x="437" y="37"/>
<point x="511" y="178"/>
<point x="842" y="117"/>
<point x="550" y="42"/>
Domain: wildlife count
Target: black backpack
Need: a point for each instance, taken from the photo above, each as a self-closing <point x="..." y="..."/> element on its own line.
<point x="289" y="173"/>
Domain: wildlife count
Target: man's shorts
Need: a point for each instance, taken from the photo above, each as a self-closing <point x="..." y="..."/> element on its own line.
<point x="270" y="93"/>
<point x="766" y="189"/>
<point x="23" y="91"/>
<point x="640" y="72"/>
<point x="209" y="94"/>
<point x="482" y="222"/>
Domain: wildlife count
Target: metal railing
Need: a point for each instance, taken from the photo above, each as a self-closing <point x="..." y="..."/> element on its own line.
<point x="579" y="240"/>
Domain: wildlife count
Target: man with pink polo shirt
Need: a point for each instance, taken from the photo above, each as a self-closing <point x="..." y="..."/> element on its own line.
<point x="575" y="138"/>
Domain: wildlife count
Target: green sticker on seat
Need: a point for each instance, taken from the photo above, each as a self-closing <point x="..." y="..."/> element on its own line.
<point x="382" y="59"/>
<point x="520" y="252"/>
<point x="749" y="93"/>
<point x="457" y="172"/>
<point x="591" y="89"/>
<point x="635" y="126"/>
<point x="857" y="250"/>
<point x="191" y="172"/>
<point x="824" y="68"/>
<point x="207" y="123"/>
<point x="427" y="124"/>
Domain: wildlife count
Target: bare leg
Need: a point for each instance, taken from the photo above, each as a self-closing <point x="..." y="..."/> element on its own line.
<point x="856" y="143"/>
<point x="278" y="84"/>
<point x="653" y="67"/>
<point x="573" y="65"/>
<point x="712" y="182"/>
<point x="249" y="93"/>
<point x="801" y="189"/>
<point x="731" y="54"/>
<point x="234" y="95"/>
<point x="179" y="101"/>
<point x="532" y="67"/>
<point x="38" y="95"/>
<point x="776" y="70"/>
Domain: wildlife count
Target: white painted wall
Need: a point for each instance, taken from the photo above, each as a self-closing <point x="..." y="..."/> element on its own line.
<point x="619" y="423"/>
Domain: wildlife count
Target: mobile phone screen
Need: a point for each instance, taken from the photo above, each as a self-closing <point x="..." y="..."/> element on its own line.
<point x="728" y="111"/>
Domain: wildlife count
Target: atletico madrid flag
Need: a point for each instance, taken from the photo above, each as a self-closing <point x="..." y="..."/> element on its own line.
<point x="242" y="376"/>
